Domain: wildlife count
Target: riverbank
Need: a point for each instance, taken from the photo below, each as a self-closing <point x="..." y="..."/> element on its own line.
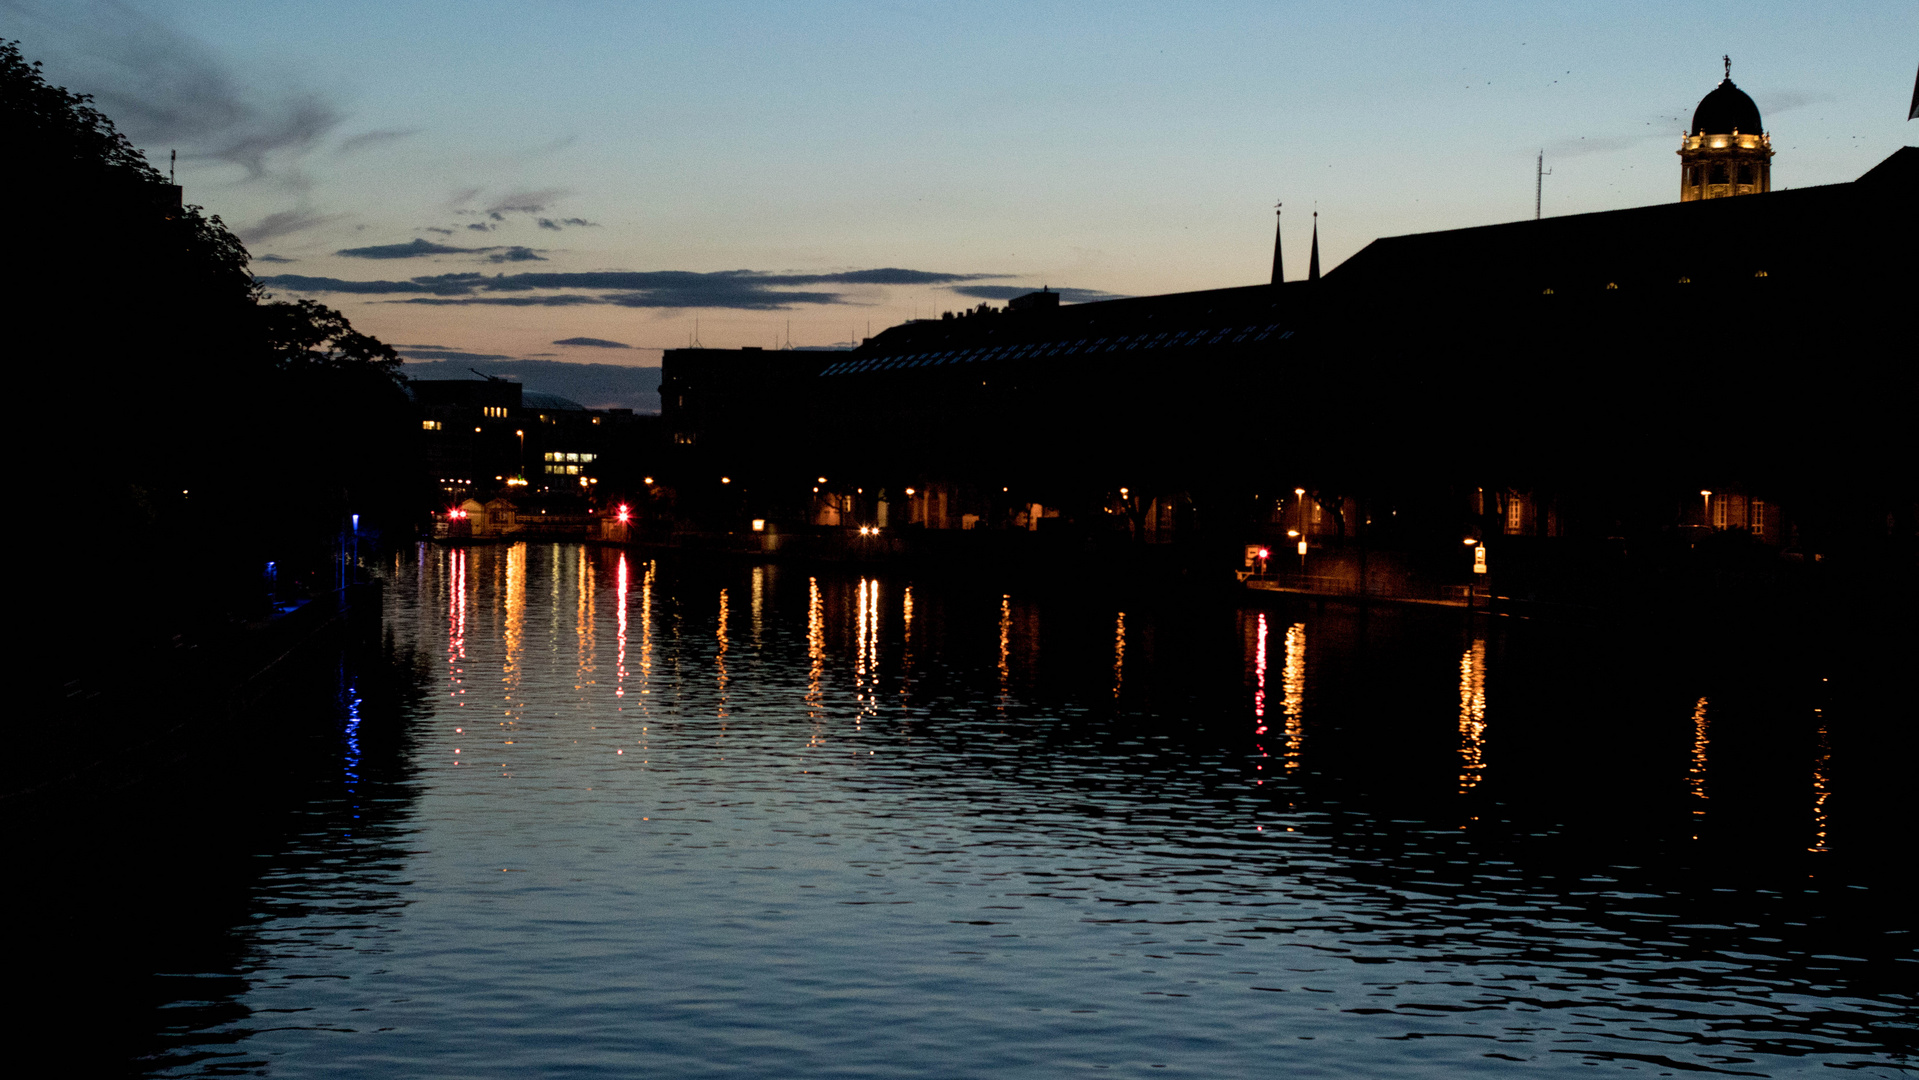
<point x="133" y="718"/>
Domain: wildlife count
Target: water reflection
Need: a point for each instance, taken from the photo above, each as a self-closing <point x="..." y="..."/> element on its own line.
<point x="815" y="648"/>
<point x="621" y="587"/>
<point x="456" y="577"/>
<point x="1821" y="786"/>
<point x="515" y="631"/>
<point x="646" y="633"/>
<point x="1701" y="742"/>
<point x="1259" y="693"/>
<point x="1472" y="716"/>
<point x="1053" y="884"/>
<point x="866" y="649"/>
<point x="1005" y="649"/>
<point x="1293" y="690"/>
<point x="585" y="620"/>
<point x="720" y="677"/>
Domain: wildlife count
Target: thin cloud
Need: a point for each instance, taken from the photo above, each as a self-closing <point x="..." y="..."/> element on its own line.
<point x="166" y="89"/>
<point x="273" y="259"/>
<point x="356" y="143"/>
<point x="1788" y="100"/>
<point x="282" y="224"/>
<point x="597" y="343"/>
<point x="1601" y="144"/>
<point x="410" y="250"/>
<point x="562" y="223"/>
<point x="416" y="353"/>
<point x="740" y="290"/>
<point x="417" y="248"/>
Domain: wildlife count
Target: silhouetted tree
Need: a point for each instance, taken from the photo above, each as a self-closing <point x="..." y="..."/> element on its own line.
<point x="181" y="411"/>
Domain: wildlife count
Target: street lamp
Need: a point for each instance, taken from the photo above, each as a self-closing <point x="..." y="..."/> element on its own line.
<point x="1705" y="508"/>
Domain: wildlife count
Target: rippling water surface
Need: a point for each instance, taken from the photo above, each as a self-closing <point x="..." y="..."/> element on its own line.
<point x="632" y="818"/>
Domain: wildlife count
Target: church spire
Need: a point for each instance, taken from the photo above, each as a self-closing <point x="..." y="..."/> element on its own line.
<point x="1279" y="268"/>
<point x="1312" y="268"/>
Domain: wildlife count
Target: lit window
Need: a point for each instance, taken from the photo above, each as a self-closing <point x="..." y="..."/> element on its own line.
<point x="1719" y="512"/>
<point x="1515" y="513"/>
<point x="572" y="470"/>
<point x="572" y="457"/>
<point x="497" y="412"/>
<point x="429" y="425"/>
<point x="1758" y="516"/>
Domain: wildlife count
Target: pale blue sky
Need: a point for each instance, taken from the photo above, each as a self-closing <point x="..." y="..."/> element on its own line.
<point x="1127" y="148"/>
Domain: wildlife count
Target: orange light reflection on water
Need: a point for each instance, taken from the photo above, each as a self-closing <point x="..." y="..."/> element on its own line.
<point x="1293" y="693"/>
<point x="1821" y="787"/>
<point x="1701" y="742"/>
<point x="1472" y="716"/>
<point x="515" y="629"/>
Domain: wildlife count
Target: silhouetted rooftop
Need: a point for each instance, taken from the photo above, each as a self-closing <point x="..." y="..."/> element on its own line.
<point x="533" y="399"/>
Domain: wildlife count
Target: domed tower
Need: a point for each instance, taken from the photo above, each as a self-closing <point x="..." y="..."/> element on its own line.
<point x="1725" y="152"/>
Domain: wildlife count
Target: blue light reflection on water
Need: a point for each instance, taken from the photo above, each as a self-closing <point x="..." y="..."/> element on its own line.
<point x="886" y="832"/>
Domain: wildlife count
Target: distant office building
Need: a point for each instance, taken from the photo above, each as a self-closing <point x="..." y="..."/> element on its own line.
<point x="484" y="437"/>
<point x="1726" y="151"/>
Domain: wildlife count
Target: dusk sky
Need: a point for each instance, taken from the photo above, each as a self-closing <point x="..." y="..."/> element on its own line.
<point x="866" y="162"/>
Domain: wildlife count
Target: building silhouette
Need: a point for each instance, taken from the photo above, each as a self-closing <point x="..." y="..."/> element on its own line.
<point x="1563" y="390"/>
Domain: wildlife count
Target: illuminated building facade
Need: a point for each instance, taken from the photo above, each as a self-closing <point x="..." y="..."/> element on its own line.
<point x="482" y="437"/>
<point x="1725" y="151"/>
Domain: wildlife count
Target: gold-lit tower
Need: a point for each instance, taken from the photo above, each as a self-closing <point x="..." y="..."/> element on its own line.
<point x="1725" y="152"/>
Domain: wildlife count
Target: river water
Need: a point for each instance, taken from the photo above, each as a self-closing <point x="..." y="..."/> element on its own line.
<point x="588" y="813"/>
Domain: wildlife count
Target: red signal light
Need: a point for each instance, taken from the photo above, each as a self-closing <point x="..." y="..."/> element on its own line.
<point x="625" y="514"/>
<point x="1265" y="553"/>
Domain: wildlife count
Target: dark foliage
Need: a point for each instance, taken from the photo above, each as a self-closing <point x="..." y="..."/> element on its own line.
<point x="231" y="430"/>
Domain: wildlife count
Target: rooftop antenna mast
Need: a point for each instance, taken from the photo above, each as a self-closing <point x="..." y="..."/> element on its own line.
<point x="695" y="343"/>
<point x="173" y="158"/>
<point x="1279" y="268"/>
<point x="1540" y="173"/>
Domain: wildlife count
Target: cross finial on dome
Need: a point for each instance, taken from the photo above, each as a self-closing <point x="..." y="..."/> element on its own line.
<point x="1728" y="59"/>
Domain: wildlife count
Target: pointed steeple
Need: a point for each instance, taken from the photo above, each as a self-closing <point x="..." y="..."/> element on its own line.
<point x="1312" y="268"/>
<point x="1279" y="268"/>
